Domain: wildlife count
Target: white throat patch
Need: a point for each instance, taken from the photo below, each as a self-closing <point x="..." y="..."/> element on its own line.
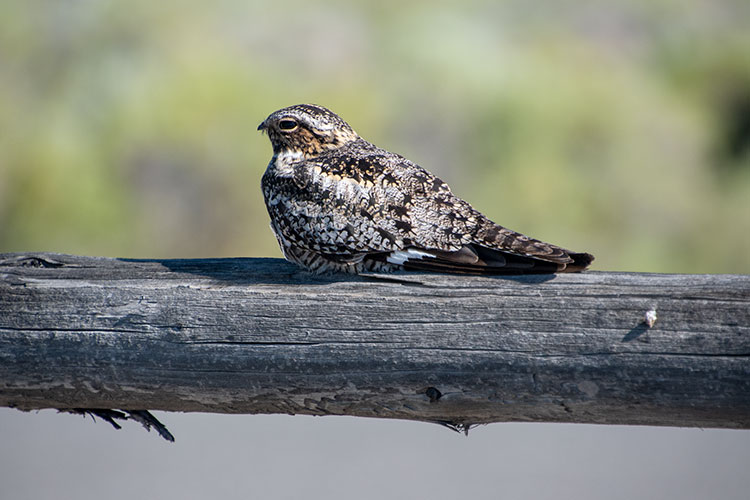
<point x="283" y="162"/>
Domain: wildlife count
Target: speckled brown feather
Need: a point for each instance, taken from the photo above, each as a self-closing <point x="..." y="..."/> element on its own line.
<point x="339" y="203"/>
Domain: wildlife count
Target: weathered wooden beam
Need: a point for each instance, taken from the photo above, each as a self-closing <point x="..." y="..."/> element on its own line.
<point x="262" y="336"/>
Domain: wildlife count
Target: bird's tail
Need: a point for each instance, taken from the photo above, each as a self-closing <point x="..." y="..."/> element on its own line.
<point x="580" y="262"/>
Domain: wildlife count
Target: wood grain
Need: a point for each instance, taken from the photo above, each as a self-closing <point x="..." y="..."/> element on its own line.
<point x="262" y="336"/>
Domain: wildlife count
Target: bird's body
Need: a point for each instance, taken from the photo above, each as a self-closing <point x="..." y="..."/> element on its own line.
<point x="340" y="203"/>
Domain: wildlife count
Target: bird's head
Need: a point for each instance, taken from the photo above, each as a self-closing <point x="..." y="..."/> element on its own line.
<point x="306" y="128"/>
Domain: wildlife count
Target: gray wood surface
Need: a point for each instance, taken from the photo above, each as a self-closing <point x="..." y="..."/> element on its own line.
<point x="262" y="336"/>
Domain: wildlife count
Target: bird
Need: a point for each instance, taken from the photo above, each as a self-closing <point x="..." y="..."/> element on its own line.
<point x="338" y="203"/>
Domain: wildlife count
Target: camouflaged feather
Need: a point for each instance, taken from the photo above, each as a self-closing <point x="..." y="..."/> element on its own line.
<point x="339" y="203"/>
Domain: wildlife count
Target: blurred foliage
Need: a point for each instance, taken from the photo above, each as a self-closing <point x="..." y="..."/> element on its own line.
<point x="621" y="128"/>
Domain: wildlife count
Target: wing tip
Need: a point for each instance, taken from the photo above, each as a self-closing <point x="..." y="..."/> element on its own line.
<point x="480" y="260"/>
<point x="581" y="261"/>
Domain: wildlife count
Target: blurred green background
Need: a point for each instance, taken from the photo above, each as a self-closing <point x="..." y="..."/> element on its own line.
<point x="622" y="128"/>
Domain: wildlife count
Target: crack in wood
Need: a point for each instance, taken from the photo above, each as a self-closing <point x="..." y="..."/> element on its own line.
<point x="260" y="336"/>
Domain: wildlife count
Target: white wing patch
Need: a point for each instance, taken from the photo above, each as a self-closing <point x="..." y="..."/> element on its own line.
<point x="401" y="256"/>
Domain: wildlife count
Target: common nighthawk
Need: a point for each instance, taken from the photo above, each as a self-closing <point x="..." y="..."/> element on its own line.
<point x="340" y="203"/>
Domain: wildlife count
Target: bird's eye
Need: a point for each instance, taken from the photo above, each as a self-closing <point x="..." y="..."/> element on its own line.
<point x="287" y="125"/>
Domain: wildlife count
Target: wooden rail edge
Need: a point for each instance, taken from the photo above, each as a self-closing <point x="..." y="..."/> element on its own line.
<point x="262" y="336"/>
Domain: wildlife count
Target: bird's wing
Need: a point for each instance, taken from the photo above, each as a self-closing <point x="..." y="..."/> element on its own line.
<point x="438" y="231"/>
<point x="381" y="206"/>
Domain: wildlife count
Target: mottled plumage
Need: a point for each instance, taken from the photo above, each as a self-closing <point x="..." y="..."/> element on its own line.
<point x="339" y="203"/>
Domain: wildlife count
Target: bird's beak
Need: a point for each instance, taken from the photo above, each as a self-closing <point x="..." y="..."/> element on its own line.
<point x="262" y="126"/>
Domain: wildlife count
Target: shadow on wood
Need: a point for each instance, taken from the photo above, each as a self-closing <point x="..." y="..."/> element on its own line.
<point x="262" y="336"/>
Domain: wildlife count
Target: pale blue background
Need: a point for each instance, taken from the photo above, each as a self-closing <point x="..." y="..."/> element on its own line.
<point x="49" y="455"/>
